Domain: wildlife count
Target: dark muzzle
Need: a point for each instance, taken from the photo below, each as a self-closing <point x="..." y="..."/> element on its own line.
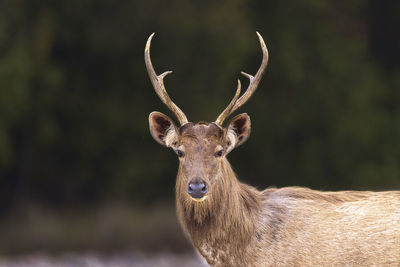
<point x="197" y="188"/>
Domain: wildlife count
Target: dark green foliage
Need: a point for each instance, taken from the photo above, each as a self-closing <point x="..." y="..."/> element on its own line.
<point x="75" y="96"/>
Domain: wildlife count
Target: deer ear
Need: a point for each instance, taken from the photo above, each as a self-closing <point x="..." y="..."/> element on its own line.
<point x="238" y="131"/>
<point x="162" y="129"/>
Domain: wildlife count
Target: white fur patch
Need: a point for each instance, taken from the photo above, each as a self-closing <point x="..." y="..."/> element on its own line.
<point x="171" y="137"/>
<point x="231" y="135"/>
<point x="200" y="199"/>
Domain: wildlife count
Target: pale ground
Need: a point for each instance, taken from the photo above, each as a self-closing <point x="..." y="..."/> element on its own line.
<point x="96" y="260"/>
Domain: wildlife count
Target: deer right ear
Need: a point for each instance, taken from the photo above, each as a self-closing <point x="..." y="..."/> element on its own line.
<point x="162" y="129"/>
<point x="238" y="131"/>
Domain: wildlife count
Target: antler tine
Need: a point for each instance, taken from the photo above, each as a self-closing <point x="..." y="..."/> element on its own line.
<point x="254" y="81"/>
<point x="158" y="84"/>
<point x="228" y="109"/>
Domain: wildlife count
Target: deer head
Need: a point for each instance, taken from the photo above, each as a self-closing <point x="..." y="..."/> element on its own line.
<point x="201" y="147"/>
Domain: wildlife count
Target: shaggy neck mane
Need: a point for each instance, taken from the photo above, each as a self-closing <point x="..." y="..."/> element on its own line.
<point x="227" y="216"/>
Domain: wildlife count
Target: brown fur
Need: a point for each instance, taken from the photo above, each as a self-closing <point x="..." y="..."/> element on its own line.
<point x="240" y="226"/>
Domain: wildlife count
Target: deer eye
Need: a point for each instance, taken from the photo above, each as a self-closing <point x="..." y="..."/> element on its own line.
<point x="180" y="153"/>
<point x="219" y="152"/>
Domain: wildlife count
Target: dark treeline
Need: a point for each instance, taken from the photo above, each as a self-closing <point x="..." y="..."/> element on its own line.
<point x="75" y="95"/>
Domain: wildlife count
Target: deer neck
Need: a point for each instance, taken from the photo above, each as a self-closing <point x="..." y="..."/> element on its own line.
<point x="228" y="216"/>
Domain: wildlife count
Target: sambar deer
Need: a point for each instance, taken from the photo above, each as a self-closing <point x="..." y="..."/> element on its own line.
<point x="234" y="224"/>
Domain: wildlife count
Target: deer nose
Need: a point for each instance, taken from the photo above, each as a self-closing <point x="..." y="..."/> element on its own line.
<point x="197" y="188"/>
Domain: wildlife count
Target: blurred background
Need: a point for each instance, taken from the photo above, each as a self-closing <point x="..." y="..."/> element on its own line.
<point x="79" y="171"/>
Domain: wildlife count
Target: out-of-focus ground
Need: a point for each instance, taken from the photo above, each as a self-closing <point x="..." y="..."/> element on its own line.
<point x="96" y="260"/>
<point x="114" y="234"/>
<point x="110" y="227"/>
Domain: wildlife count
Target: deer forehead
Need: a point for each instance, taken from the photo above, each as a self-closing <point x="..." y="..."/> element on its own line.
<point x="201" y="134"/>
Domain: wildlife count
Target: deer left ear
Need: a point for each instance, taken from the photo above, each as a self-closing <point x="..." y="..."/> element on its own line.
<point x="162" y="129"/>
<point x="238" y="131"/>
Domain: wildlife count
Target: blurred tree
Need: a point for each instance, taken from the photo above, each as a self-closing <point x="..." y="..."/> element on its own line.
<point x="75" y="96"/>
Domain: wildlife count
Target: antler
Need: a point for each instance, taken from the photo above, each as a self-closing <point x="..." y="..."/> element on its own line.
<point x="228" y="110"/>
<point x="254" y="81"/>
<point x="158" y="84"/>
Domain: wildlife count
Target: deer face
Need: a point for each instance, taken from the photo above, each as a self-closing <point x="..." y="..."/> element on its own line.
<point x="201" y="149"/>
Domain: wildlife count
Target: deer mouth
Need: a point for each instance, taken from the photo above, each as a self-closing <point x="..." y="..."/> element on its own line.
<point x="199" y="199"/>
